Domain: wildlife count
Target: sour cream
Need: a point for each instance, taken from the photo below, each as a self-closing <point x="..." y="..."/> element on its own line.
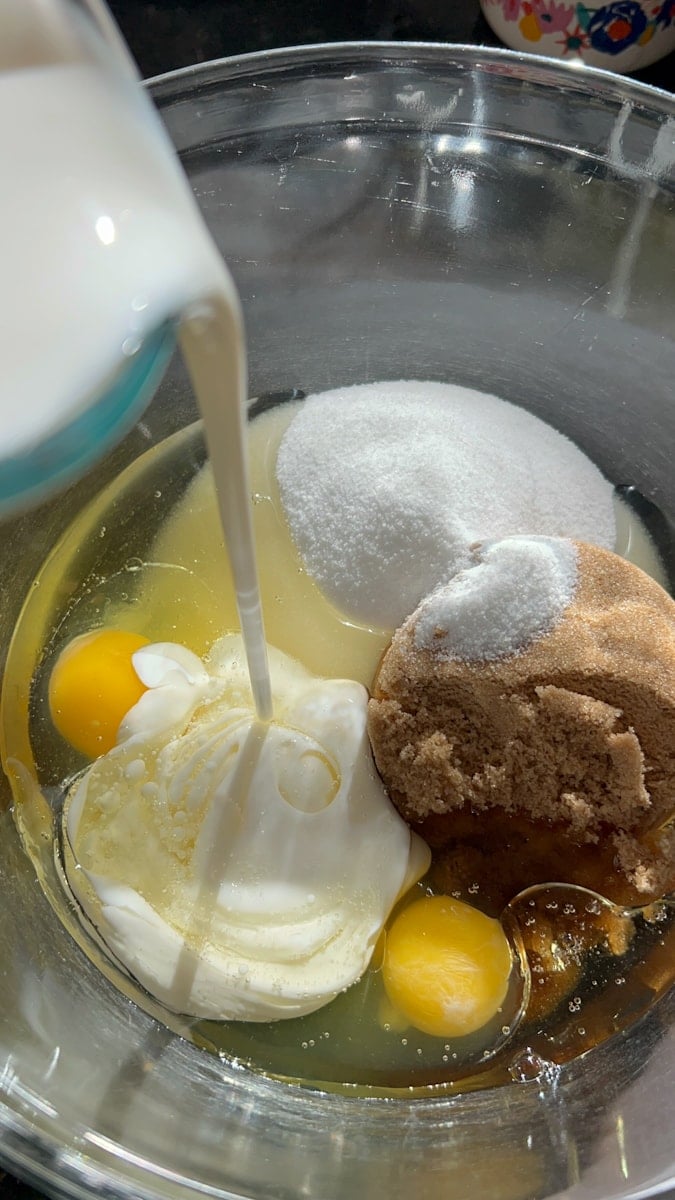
<point x="239" y="870"/>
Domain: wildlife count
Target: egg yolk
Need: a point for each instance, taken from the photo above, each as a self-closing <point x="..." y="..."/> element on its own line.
<point x="446" y="966"/>
<point x="93" y="686"/>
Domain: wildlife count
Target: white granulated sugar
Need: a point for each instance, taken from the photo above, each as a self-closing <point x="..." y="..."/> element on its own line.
<point x="515" y="591"/>
<point x="387" y="485"/>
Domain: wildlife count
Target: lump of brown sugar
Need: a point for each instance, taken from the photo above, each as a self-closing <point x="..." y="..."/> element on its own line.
<point x="523" y="720"/>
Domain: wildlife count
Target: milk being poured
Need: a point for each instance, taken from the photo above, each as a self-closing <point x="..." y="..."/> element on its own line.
<point x="108" y="217"/>
<point x="102" y="246"/>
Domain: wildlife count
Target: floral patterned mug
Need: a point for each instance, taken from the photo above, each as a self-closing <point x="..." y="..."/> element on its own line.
<point x="623" y="36"/>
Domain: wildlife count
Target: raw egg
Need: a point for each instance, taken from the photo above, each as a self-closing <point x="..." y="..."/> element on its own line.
<point x="93" y="686"/>
<point x="446" y="966"/>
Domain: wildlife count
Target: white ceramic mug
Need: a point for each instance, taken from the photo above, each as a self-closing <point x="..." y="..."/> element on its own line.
<point x="623" y="35"/>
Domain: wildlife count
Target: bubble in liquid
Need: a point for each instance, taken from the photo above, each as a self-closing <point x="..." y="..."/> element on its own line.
<point x="530" y="1066"/>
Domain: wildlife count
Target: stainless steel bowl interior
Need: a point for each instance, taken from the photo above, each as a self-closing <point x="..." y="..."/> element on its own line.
<point x="387" y="211"/>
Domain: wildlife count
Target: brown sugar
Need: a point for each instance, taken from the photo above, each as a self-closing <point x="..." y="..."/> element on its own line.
<point x="555" y="763"/>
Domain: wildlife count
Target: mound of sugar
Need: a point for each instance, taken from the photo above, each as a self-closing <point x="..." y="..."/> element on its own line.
<point x="386" y="486"/>
<point x="514" y="592"/>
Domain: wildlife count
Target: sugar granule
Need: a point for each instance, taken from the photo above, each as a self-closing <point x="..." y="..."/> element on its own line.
<point x="387" y="485"/>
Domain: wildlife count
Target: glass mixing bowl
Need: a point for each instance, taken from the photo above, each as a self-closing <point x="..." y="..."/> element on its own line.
<point x="387" y="211"/>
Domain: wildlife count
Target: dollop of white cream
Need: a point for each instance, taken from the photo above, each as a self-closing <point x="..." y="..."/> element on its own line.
<point x="514" y="592"/>
<point x="239" y="870"/>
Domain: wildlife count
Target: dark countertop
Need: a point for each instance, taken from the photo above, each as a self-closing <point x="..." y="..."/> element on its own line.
<point x="166" y="34"/>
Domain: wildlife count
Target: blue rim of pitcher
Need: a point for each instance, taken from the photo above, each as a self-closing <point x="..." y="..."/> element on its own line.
<point x="28" y="478"/>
